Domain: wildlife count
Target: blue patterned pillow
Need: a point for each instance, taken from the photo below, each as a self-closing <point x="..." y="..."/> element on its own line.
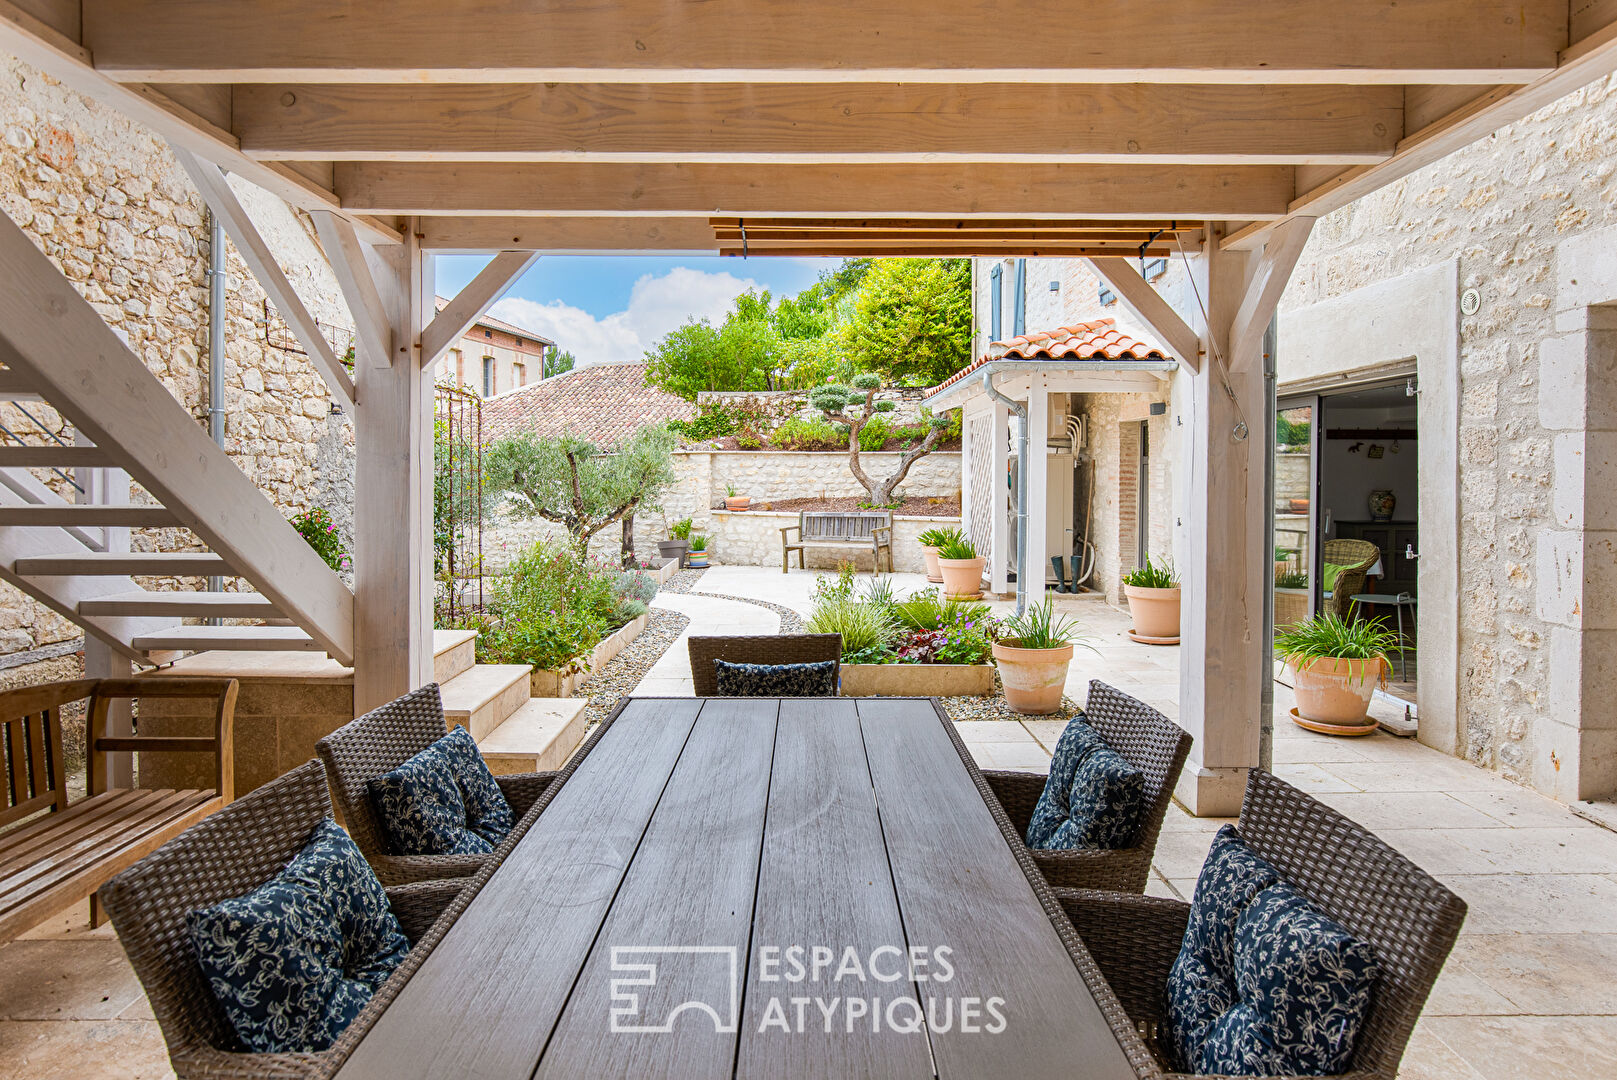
<point x="422" y="810"/>
<point x="1201" y="985"/>
<point x="776" y="680"/>
<point x="487" y="813"/>
<point x="295" y="960"/>
<point x="1106" y="807"/>
<point x="1305" y="985"/>
<point x="1052" y="810"/>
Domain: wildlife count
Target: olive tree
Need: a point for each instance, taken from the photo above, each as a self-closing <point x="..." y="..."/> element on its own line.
<point x="582" y="486"/>
<point x="852" y="407"/>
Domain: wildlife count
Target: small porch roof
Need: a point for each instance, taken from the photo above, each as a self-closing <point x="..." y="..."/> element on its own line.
<point x="1088" y="357"/>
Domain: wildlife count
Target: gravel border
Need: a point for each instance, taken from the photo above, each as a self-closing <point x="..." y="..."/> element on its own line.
<point x="625" y="670"/>
<point x="685" y="581"/>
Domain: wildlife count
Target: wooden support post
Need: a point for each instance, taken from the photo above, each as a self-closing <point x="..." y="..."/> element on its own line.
<point x="999" y="500"/>
<point x="393" y="492"/>
<point x="1038" y="473"/>
<point x="103" y="486"/>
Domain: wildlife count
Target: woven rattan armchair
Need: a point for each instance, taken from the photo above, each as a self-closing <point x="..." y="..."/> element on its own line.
<point x="1355" y="557"/>
<point x="379" y="742"/>
<point x="230" y="854"/>
<point x="763" y="649"/>
<point x="1147" y="740"/>
<point x="1348" y="873"/>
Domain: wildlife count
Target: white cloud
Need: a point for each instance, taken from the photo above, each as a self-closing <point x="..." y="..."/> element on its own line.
<point x="657" y="304"/>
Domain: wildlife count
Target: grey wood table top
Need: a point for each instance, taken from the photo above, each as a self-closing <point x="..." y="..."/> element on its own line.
<point x="754" y="888"/>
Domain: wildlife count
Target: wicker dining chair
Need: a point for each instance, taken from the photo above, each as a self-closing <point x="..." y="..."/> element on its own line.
<point x="1348" y="873"/>
<point x="1145" y="739"/>
<point x="381" y="741"/>
<point x="760" y="649"/>
<point x="230" y="854"/>
<point x="1355" y="557"/>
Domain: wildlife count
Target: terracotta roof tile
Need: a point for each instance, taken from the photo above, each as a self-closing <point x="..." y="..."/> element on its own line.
<point x="604" y="403"/>
<point x="1097" y="339"/>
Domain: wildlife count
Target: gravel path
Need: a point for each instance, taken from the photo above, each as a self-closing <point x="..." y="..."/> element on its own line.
<point x="624" y="672"/>
<point x="685" y="581"/>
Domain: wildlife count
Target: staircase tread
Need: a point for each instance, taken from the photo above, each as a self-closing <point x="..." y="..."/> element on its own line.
<point x="473" y="689"/>
<point x="182" y="597"/>
<point x="445" y="640"/>
<point x="224" y="637"/>
<point x="67" y="563"/>
<point x="533" y="727"/>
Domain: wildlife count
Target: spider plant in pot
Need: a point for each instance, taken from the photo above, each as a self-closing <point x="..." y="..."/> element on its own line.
<point x="1153" y="595"/>
<point x="961" y="567"/>
<point x="697" y="559"/>
<point x="678" y="542"/>
<point x="930" y="541"/>
<point x="733" y="500"/>
<point x="1033" y="652"/>
<point x="1337" y="664"/>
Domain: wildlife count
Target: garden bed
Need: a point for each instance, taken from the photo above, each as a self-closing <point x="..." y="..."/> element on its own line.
<point x="943" y="506"/>
<point x="563" y="682"/>
<point x="917" y="680"/>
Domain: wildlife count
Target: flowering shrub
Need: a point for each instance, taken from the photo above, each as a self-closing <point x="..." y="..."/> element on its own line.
<point x="317" y="528"/>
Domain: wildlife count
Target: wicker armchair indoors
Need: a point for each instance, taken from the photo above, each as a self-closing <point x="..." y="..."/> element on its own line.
<point x="379" y="742"/>
<point x="762" y="649"/>
<point x="230" y="854"/>
<point x="1355" y="557"/>
<point x="1349" y="874"/>
<point x="1146" y="739"/>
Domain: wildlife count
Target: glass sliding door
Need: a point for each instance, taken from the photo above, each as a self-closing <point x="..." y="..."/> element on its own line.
<point x="1296" y="491"/>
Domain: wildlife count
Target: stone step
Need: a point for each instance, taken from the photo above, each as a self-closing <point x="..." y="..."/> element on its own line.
<point x="539" y="737"/>
<point x="480" y="698"/>
<point x="453" y="653"/>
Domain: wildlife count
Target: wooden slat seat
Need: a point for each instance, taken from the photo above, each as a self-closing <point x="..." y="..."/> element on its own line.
<point x="55" y="852"/>
<point x="857" y="530"/>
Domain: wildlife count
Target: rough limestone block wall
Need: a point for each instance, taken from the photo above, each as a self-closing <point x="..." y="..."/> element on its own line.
<point x="752" y="538"/>
<point x="107" y="203"/>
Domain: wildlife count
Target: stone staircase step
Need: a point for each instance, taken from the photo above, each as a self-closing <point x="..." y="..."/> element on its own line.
<point x="453" y="653"/>
<point x="480" y="698"/>
<point x="539" y="737"/>
<point x="204" y="638"/>
<point x="182" y="604"/>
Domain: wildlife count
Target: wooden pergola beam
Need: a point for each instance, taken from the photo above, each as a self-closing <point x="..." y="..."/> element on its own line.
<point x="842" y="123"/>
<point x="690" y="235"/>
<point x="1269" y="278"/>
<point x="1186" y="41"/>
<point x="1149" y="307"/>
<point x="345" y="253"/>
<point x="1192" y="191"/>
<point x="458" y="316"/>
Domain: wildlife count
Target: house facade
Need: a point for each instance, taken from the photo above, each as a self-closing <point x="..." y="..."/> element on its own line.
<point x="494" y="357"/>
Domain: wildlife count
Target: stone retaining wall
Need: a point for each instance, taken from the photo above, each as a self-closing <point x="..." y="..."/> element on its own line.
<point x="752" y="538"/>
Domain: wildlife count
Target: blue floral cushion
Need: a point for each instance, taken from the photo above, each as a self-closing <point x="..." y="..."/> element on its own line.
<point x="1201" y="985"/>
<point x="1106" y="806"/>
<point x="1305" y="985"/>
<point x="487" y="813"/>
<point x="422" y="809"/>
<point x="1051" y="811"/>
<point x="776" y="680"/>
<point x="295" y="960"/>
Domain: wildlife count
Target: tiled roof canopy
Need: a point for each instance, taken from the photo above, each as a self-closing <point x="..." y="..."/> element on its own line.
<point x="604" y="403"/>
<point x="1097" y="339"/>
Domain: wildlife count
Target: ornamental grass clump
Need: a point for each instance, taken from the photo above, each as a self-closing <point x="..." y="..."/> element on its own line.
<point x="1039" y="627"/>
<point x="1329" y="636"/>
<point x="957" y="547"/>
<point x="937" y="536"/>
<point x="1155" y="574"/>
<point x="868" y="632"/>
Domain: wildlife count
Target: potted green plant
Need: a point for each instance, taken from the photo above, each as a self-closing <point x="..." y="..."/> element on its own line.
<point x="961" y="568"/>
<point x="697" y="559"/>
<point x="1033" y="652"/>
<point x="678" y="542"/>
<point x="734" y="500"/>
<point x="1337" y="664"/>
<point x="1153" y="595"/>
<point x="930" y="541"/>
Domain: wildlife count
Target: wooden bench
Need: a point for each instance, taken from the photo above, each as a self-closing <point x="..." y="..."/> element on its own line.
<point x="53" y="852"/>
<point x="859" y="530"/>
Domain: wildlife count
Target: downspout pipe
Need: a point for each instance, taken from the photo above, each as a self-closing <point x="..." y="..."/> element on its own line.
<point x="1020" y="409"/>
<point x="217" y="281"/>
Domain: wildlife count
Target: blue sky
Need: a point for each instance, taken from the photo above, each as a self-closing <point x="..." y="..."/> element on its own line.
<point x="614" y="308"/>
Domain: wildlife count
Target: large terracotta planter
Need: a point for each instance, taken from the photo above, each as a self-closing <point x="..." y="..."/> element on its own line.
<point x="934" y="573"/>
<point x="962" y="577"/>
<point x="737" y="502"/>
<point x="1155" y="612"/>
<point x="1034" y="678"/>
<point x="1335" y="693"/>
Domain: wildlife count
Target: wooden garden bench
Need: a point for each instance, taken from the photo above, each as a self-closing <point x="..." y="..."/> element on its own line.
<point x="52" y="852"/>
<point x="860" y="530"/>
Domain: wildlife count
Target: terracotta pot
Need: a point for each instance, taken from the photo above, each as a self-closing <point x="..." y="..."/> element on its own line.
<point x="1155" y="611"/>
<point x="737" y="502"/>
<point x="930" y="554"/>
<point x="1034" y="678"/>
<point x="1337" y="692"/>
<point x="962" y="577"/>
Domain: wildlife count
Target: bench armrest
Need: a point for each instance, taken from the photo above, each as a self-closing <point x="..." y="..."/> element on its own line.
<point x="222" y="743"/>
<point x="791" y="528"/>
<point x="888" y="529"/>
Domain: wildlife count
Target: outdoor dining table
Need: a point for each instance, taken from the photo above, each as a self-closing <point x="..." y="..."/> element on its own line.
<point x="755" y="887"/>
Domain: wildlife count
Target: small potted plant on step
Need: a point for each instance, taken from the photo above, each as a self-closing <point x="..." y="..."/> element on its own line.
<point x="930" y="541"/>
<point x="961" y="568"/>
<point x="1153" y="595"/>
<point x="697" y="559"/>
<point x="678" y="543"/>
<point x="735" y="501"/>
<point x="1033" y="652"/>
<point x="1337" y="664"/>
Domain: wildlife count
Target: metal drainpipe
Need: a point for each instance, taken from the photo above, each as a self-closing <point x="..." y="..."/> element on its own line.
<point x="216" y="347"/>
<point x="1266" y="680"/>
<point x="1020" y="409"/>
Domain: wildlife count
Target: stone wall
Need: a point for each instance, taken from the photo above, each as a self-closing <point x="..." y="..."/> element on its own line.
<point x="752" y="538"/>
<point x="109" y="205"/>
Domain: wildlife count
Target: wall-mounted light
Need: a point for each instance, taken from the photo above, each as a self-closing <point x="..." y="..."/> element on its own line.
<point x="1055" y="286"/>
